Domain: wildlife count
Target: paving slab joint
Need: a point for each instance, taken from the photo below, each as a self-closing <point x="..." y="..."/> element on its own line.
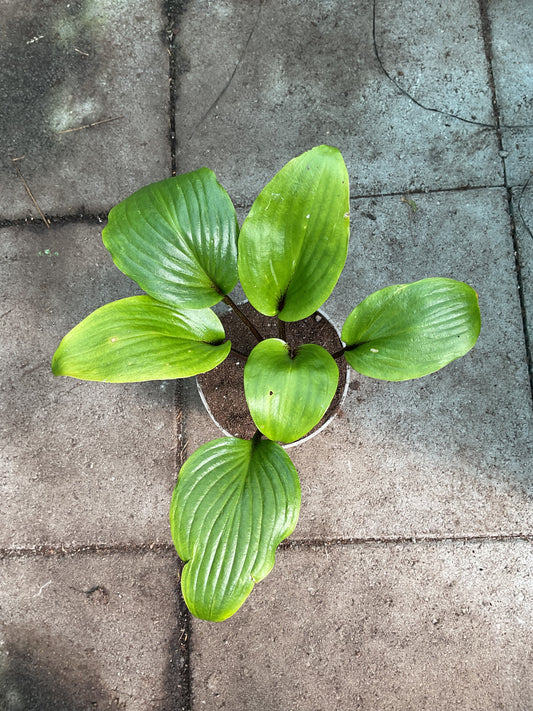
<point x="515" y="215"/>
<point x="174" y="9"/>
<point x="293" y="543"/>
<point x="486" y="31"/>
<point x="98" y="218"/>
<point x="62" y="550"/>
<point x="487" y="42"/>
<point x="181" y="642"/>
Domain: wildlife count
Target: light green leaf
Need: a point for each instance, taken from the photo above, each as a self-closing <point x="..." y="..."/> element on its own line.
<point x="177" y="239"/>
<point x="294" y="242"/>
<point x="137" y="339"/>
<point x="288" y="394"/>
<point x="234" y="502"/>
<point x="410" y="330"/>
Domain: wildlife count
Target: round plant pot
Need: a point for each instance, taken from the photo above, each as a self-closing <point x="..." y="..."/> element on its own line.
<point x="222" y="389"/>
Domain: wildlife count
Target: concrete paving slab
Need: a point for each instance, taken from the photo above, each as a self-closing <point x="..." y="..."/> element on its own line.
<point x="90" y="632"/>
<point x="66" y="65"/>
<point x="259" y="84"/>
<point x="511" y="25"/>
<point x="448" y="454"/>
<point x="80" y="462"/>
<point x="412" y="627"/>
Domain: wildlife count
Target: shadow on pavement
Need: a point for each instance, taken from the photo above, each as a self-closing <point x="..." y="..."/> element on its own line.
<point x="39" y="674"/>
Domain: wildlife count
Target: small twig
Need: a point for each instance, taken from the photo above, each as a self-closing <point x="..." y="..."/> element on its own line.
<point x="90" y="125"/>
<point x="80" y="51"/>
<point x="41" y="213"/>
<point x="42" y="588"/>
<point x="282" y="331"/>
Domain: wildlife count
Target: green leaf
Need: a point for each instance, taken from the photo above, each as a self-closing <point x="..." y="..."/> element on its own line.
<point x="294" y="242"/>
<point x="234" y="502"/>
<point x="410" y="330"/>
<point x="288" y="393"/>
<point x="139" y="338"/>
<point x="177" y="239"/>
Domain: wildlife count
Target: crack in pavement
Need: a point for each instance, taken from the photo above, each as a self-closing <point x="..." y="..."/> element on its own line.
<point x="519" y="206"/>
<point x="494" y="127"/>
<point x="238" y="64"/>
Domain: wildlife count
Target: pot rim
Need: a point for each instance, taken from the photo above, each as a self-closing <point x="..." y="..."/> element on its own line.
<point x="307" y="436"/>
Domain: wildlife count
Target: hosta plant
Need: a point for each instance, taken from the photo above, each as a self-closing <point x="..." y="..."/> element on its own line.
<point x="179" y="240"/>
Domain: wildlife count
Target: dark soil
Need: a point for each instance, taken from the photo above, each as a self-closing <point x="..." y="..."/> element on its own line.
<point x="223" y="387"/>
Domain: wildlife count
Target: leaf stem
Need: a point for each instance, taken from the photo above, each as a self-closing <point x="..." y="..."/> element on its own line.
<point x="282" y="331"/>
<point x="338" y="354"/>
<point x="241" y="355"/>
<point x="227" y="300"/>
<point x="342" y="351"/>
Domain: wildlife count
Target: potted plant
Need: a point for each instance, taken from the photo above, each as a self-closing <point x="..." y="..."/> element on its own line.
<point x="237" y="498"/>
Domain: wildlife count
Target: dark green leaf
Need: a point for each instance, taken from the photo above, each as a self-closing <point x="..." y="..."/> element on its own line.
<point x="288" y="393"/>
<point x="410" y="330"/>
<point x="294" y="242"/>
<point x="234" y="502"/>
<point x="177" y="239"/>
<point x="139" y="338"/>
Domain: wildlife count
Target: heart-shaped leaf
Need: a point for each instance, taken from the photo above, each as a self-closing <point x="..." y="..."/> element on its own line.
<point x="138" y="338"/>
<point x="288" y="393"/>
<point x="177" y="239"/>
<point x="294" y="242"/>
<point x="234" y="502"/>
<point x="410" y="330"/>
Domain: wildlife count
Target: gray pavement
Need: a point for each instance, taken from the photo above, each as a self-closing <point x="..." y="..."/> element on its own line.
<point x="407" y="583"/>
